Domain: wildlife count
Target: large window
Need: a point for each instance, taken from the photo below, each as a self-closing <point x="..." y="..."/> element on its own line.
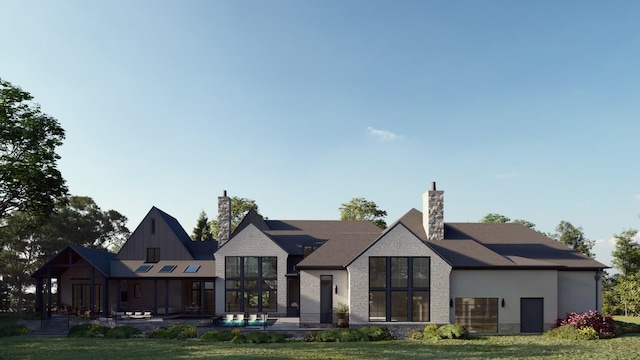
<point x="81" y="296"/>
<point x="399" y="288"/>
<point x="251" y="284"/>
<point x="478" y="314"/>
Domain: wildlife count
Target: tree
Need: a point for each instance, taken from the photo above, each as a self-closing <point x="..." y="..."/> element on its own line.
<point x="29" y="240"/>
<point x="574" y="238"/>
<point x="239" y="208"/>
<point x="498" y="218"/>
<point x="628" y="289"/>
<point x="362" y="209"/>
<point x="626" y="255"/>
<point x="202" y="231"/>
<point x="29" y="178"/>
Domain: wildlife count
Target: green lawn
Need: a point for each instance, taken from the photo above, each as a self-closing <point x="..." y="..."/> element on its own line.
<point x="629" y="319"/>
<point x="497" y="347"/>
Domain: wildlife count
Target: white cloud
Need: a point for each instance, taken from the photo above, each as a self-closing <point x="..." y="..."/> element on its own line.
<point x="508" y="176"/>
<point x="384" y="135"/>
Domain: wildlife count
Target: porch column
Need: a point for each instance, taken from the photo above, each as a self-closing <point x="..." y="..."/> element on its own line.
<point x="202" y="296"/>
<point x="155" y="296"/>
<point x="105" y="296"/>
<point x="166" y="297"/>
<point x="49" y="298"/>
<point x="92" y="292"/>
<point x="40" y="296"/>
<point x="59" y="293"/>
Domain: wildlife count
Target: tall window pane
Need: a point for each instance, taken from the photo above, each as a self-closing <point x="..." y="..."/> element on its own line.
<point x="399" y="272"/>
<point x="377" y="272"/>
<point x="377" y="306"/>
<point x="232" y="267"/>
<point x="269" y="267"/>
<point x="421" y="272"/>
<point x="420" y="306"/>
<point x="251" y="267"/>
<point x="477" y="314"/>
<point x="399" y="309"/>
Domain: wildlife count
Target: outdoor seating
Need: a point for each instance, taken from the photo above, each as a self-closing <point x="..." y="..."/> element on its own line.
<point x="229" y="317"/>
<point x="240" y="317"/>
<point x="253" y="318"/>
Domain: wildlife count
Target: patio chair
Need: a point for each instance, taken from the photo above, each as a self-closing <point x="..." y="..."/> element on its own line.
<point x="240" y="317"/>
<point x="229" y="318"/>
<point x="253" y="317"/>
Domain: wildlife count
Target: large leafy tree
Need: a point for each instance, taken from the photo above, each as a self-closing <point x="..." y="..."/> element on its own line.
<point x="574" y="238"/>
<point x="626" y="255"/>
<point x="499" y="218"/>
<point x="361" y="209"/>
<point x="29" y="240"/>
<point x="29" y="178"/>
<point x="239" y="208"/>
<point x="202" y="231"/>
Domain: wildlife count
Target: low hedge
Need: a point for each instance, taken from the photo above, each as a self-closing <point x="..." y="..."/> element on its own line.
<point x="13" y="330"/>
<point x="179" y="332"/>
<point x="365" y="333"/>
<point x="433" y="332"/>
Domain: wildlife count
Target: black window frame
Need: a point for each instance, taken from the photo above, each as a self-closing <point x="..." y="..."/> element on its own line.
<point x="243" y="285"/>
<point x="392" y="288"/>
<point x="153" y="255"/>
<point x="476" y="320"/>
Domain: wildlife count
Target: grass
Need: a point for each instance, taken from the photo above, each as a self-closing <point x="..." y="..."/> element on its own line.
<point x="629" y="319"/>
<point x="502" y="347"/>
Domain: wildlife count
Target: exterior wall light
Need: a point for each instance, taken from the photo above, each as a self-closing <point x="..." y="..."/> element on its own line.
<point x="502" y="303"/>
<point x="336" y="289"/>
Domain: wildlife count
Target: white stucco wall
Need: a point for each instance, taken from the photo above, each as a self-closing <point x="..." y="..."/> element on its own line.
<point x="310" y="293"/>
<point x="251" y="242"/>
<point x="577" y="292"/>
<point x="398" y="242"/>
<point x="510" y="285"/>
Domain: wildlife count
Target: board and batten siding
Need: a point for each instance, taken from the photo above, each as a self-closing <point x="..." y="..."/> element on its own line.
<point x="399" y="241"/>
<point x="251" y="242"/>
<point x="163" y="237"/>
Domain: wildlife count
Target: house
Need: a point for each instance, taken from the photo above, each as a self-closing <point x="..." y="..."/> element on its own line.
<point x="492" y="278"/>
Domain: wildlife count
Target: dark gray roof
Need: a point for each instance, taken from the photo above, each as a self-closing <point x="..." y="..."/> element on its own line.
<point x="200" y="250"/>
<point x="175" y="227"/>
<point x="98" y="258"/>
<point x="490" y="245"/>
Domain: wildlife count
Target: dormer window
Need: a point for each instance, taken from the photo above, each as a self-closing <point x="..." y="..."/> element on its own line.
<point x="153" y="255"/>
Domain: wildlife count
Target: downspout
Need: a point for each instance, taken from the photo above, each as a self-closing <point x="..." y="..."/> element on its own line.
<point x="597" y="277"/>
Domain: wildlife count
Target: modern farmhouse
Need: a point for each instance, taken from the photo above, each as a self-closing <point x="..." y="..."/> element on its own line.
<point x="492" y="278"/>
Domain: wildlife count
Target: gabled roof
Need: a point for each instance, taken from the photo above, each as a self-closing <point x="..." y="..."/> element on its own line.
<point x="98" y="258"/>
<point x="491" y="245"/>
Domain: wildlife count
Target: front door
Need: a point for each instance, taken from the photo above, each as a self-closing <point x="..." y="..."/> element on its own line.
<point x="531" y="315"/>
<point x="326" y="299"/>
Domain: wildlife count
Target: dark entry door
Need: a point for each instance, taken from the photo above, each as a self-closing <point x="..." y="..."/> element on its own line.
<point x="326" y="299"/>
<point x="531" y="315"/>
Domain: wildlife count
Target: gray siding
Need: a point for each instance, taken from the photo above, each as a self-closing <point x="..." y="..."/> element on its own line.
<point x="398" y="242"/>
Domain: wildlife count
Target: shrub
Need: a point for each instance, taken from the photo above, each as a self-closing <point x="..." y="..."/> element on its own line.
<point x="88" y="331"/>
<point x="376" y="333"/>
<point x="570" y="332"/>
<point x="13" y="330"/>
<point x="341" y="335"/>
<point x="262" y="338"/>
<point x="214" y="335"/>
<point x="311" y="337"/>
<point x="179" y="332"/>
<point x="453" y="331"/>
<point x="122" y="332"/>
<point x="604" y="326"/>
<point x="430" y="332"/>
<point x="415" y="334"/>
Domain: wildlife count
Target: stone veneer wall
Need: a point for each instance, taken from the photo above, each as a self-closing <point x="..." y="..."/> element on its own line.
<point x="399" y="241"/>
<point x="433" y="210"/>
<point x="224" y="218"/>
<point x="251" y="242"/>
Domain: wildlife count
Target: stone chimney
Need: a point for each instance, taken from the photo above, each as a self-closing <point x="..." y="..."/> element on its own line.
<point x="224" y="218"/>
<point x="433" y="213"/>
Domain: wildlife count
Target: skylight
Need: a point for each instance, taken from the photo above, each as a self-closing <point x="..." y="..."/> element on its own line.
<point x="192" y="268"/>
<point x="167" y="268"/>
<point x="143" y="268"/>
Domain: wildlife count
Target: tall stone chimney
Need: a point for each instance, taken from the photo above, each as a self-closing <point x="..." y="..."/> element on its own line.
<point x="433" y="213"/>
<point x="224" y="218"/>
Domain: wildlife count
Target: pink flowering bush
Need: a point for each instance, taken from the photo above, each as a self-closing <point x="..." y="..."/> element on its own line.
<point x="604" y="326"/>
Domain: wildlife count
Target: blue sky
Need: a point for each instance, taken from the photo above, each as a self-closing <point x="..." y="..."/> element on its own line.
<point x="525" y="108"/>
